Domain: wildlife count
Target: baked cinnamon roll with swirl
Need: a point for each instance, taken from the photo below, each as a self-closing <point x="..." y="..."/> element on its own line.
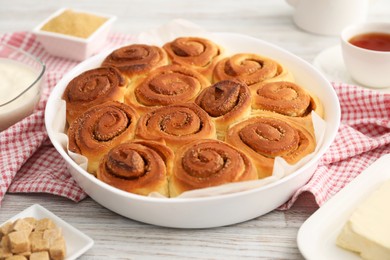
<point x="198" y="53"/>
<point x="167" y="85"/>
<point x="175" y="125"/>
<point x="264" y="137"/>
<point x="136" y="59"/>
<point x="286" y="98"/>
<point x="207" y="163"/>
<point x="91" y="88"/>
<point x="139" y="167"/>
<point x="99" y="129"/>
<point x="226" y="102"/>
<point x="250" y="69"/>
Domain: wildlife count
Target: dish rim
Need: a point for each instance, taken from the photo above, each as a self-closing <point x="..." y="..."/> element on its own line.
<point x="315" y="159"/>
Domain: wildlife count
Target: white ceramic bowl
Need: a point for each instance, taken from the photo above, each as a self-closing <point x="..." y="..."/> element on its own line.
<point x="71" y="47"/>
<point x="218" y="210"/>
<point x="368" y="67"/>
<point x="21" y="77"/>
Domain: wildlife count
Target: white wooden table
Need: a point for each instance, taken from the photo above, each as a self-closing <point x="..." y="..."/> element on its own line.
<point x="272" y="236"/>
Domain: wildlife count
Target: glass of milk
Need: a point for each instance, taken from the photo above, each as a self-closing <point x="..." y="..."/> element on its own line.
<point x="21" y="76"/>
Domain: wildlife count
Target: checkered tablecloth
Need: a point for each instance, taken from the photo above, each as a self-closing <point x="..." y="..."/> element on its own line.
<point x="29" y="162"/>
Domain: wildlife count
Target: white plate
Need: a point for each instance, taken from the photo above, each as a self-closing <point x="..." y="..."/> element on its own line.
<point x="77" y="243"/>
<point x="212" y="211"/>
<point x="317" y="236"/>
<point x="330" y="62"/>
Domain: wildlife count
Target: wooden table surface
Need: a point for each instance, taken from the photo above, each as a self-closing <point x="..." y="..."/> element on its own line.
<point x="272" y="236"/>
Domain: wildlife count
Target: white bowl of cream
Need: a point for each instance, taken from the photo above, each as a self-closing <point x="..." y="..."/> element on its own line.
<point x="20" y="84"/>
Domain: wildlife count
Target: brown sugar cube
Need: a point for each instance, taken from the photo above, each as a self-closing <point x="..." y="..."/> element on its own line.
<point x="38" y="245"/>
<point x="4" y="253"/>
<point x="22" y="224"/>
<point x="31" y="220"/>
<point x="16" y="257"/>
<point x="19" y="242"/>
<point x="58" y="249"/>
<point x="36" y="235"/>
<point x="52" y="234"/>
<point x="5" y="244"/>
<point x="37" y="241"/>
<point x="6" y="228"/>
<point x="26" y="254"/>
<point x="44" y="255"/>
<point x="44" y="224"/>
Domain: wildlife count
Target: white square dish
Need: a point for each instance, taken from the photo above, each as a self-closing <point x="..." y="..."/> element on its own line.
<point x="72" y="47"/>
<point x="317" y="236"/>
<point x="77" y="242"/>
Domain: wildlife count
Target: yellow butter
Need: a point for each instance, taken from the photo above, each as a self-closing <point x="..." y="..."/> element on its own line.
<point x="367" y="232"/>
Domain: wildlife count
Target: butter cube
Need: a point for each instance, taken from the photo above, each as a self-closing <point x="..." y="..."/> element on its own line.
<point x="367" y="232"/>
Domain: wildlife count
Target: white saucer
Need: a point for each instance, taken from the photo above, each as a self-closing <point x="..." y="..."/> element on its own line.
<point x="330" y="63"/>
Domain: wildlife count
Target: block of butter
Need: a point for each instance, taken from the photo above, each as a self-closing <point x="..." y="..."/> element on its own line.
<point x="367" y="232"/>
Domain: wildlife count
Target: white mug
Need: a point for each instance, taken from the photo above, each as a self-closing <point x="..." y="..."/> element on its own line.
<point x="367" y="67"/>
<point x="328" y="17"/>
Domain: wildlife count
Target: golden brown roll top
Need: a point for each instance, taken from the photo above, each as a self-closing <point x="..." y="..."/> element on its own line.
<point x="99" y="129"/>
<point x="226" y="102"/>
<point x="286" y="98"/>
<point x="264" y="137"/>
<point x="139" y="167"/>
<point x="198" y="53"/>
<point x="167" y="85"/>
<point x="283" y="97"/>
<point x="136" y="59"/>
<point x="176" y="125"/>
<point x="207" y="163"/>
<point x="91" y="88"/>
<point x="251" y="69"/>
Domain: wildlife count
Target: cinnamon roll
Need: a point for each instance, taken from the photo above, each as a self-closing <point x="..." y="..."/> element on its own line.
<point x="283" y="97"/>
<point x="91" y="88"/>
<point x="176" y="125"/>
<point x="264" y="137"/>
<point x="99" y="129"/>
<point x="198" y="53"/>
<point x="250" y="69"/>
<point x="286" y="98"/>
<point x="167" y="85"/>
<point x="139" y="167"/>
<point x="226" y="102"/>
<point x="206" y="163"/>
<point x="136" y="59"/>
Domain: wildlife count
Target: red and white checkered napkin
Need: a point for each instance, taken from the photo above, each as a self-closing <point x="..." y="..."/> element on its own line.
<point x="28" y="160"/>
<point x="29" y="163"/>
<point x="363" y="137"/>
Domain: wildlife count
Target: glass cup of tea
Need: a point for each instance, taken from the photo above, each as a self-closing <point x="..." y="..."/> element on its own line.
<point x="366" y="53"/>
